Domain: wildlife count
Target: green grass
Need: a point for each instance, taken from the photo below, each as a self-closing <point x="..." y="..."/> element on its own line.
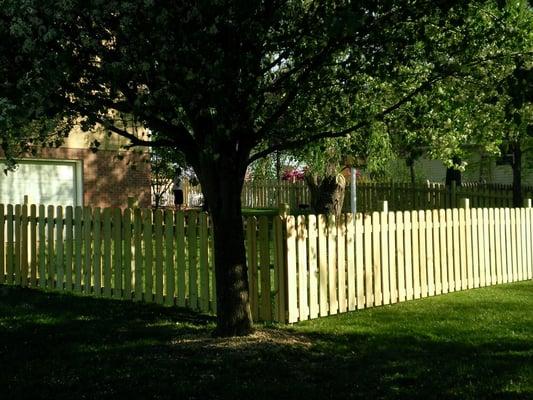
<point x="468" y="345"/>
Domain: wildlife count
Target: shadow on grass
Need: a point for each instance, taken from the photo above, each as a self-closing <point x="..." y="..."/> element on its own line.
<point x="62" y="346"/>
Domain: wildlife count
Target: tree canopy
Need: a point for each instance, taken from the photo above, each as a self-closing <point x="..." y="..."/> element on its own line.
<point x="229" y="82"/>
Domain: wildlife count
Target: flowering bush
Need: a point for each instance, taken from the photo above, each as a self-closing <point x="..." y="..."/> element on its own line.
<point x="293" y="175"/>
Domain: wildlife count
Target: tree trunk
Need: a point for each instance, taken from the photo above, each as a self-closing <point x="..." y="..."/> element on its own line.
<point x="327" y="193"/>
<point x="222" y="185"/>
<point x="453" y="174"/>
<point x="518" y="198"/>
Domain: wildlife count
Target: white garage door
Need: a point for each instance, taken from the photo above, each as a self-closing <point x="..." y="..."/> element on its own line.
<point x="43" y="181"/>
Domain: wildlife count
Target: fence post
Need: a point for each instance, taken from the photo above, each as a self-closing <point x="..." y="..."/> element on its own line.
<point x="284" y="210"/>
<point x="385" y="206"/>
<point x="464" y="202"/>
<point x="281" y="263"/>
<point x="133" y="202"/>
<point x="453" y="194"/>
<point x="527" y="203"/>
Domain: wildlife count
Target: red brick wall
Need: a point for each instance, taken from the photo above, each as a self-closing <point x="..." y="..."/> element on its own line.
<point x="107" y="180"/>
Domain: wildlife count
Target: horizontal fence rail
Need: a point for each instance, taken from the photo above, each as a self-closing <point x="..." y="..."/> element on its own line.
<point x="360" y="261"/>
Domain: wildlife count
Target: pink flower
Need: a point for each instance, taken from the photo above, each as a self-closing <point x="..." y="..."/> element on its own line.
<point x="293" y="175"/>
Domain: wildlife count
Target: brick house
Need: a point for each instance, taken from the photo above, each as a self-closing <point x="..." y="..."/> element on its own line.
<point x="73" y="174"/>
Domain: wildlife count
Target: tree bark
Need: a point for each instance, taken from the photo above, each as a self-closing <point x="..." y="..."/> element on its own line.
<point x="453" y="174"/>
<point x="411" y="164"/>
<point x="327" y="193"/>
<point x="518" y="198"/>
<point x="222" y="185"/>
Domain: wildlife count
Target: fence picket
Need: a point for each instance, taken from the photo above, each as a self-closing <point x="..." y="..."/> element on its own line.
<point x="469" y="276"/>
<point x="265" y="311"/>
<point x="158" y="245"/>
<point x="529" y="230"/>
<point x="499" y="255"/>
<point x="15" y="275"/>
<point x="529" y="258"/>
<point x="59" y="248"/>
<point x="483" y="243"/>
<point x="180" y="258"/>
<point x="515" y="245"/>
<point x="376" y="259"/>
<point x="292" y="294"/>
<point x="400" y="256"/>
<point x="253" y="275"/>
<point x="359" y="261"/>
<point x="106" y="258"/>
<point x="281" y="278"/>
<point x="192" y="247"/>
<point x="417" y="253"/>
<point x="148" y="231"/>
<point x="421" y="279"/>
<point x="475" y="247"/>
<point x="441" y="273"/>
<point x="408" y="234"/>
<point x="432" y="243"/>
<point x="69" y="243"/>
<point x="50" y="246"/>
<point x="367" y="235"/>
<point x="521" y="214"/>
<point x="87" y="226"/>
<point x="301" y="245"/>
<point x="24" y="268"/>
<point x="463" y="249"/>
<point x="393" y="274"/>
<point x="33" y="245"/>
<point x="323" y="264"/>
<point x="507" y="266"/>
<point x="127" y="256"/>
<point x="385" y="272"/>
<point x="137" y="243"/>
<point x="456" y="251"/>
<point x="350" y="261"/>
<point x="488" y="246"/>
<point x="511" y="244"/>
<point x="332" y="265"/>
<point x="97" y="248"/>
<point x="203" y="263"/>
<point x="42" y="247"/>
<point x="314" y="304"/>
<point x="117" y="266"/>
<point x="341" y="264"/>
<point x="169" y="278"/>
<point x="78" y="255"/>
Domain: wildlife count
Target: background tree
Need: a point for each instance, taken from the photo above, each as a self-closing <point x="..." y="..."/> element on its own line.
<point x="516" y="100"/>
<point x="228" y="82"/>
<point x="165" y="164"/>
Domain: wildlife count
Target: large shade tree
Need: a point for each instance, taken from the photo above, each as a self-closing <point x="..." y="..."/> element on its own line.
<point x="224" y="82"/>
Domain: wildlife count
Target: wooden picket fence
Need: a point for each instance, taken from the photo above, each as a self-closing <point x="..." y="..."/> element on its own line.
<point x="133" y="254"/>
<point x="300" y="267"/>
<point x="406" y="196"/>
<point x="363" y="260"/>
<point x="370" y="195"/>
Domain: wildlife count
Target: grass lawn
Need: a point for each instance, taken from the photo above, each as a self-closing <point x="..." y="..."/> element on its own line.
<point x="468" y="345"/>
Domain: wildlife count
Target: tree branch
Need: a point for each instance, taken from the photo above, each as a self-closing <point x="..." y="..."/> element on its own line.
<point x="336" y="134"/>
